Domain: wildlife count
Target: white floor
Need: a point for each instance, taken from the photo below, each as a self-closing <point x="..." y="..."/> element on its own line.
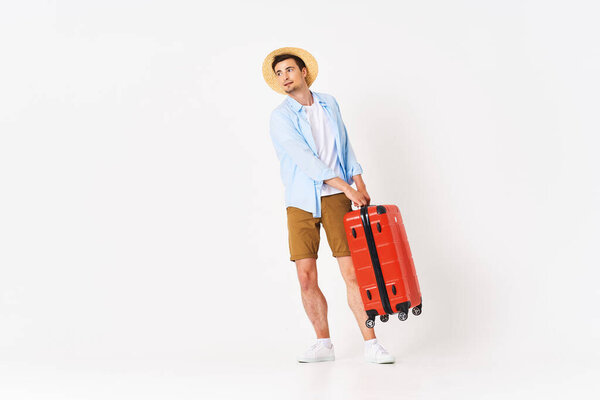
<point x="414" y="376"/>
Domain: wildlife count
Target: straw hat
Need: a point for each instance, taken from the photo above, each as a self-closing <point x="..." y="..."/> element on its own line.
<point x="309" y="60"/>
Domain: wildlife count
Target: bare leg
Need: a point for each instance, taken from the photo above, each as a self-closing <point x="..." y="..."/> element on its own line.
<point x="353" y="293"/>
<point x="313" y="300"/>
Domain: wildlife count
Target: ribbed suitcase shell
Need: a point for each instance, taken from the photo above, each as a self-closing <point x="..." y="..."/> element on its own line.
<point x="393" y="253"/>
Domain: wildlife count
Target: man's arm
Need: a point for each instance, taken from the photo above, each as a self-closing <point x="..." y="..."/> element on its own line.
<point x="353" y="167"/>
<point x="359" y="197"/>
<point x="285" y="137"/>
<point x="362" y="188"/>
<point x="360" y="184"/>
<point x="338" y="183"/>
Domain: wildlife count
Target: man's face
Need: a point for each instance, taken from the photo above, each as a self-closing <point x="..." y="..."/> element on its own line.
<point x="289" y="76"/>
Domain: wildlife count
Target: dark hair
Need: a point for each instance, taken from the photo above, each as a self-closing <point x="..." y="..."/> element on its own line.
<point x="282" y="57"/>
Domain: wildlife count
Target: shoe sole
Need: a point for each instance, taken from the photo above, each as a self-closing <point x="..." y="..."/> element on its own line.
<point x="382" y="362"/>
<point x="313" y="361"/>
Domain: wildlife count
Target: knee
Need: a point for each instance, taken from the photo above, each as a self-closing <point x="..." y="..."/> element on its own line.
<point x="307" y="281"/>
<point x="351" y="282"/>
<point x="350" y="279"/>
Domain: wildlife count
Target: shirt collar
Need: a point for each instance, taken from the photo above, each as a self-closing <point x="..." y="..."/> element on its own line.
<point x="297" y="106"/>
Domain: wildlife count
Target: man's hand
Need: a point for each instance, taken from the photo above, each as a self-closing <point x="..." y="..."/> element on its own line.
<point x="362" y="189"/>
<point x="357" y="198"/>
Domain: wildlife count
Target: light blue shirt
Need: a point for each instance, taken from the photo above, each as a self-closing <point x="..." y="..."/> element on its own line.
<point x="302" y="172"/>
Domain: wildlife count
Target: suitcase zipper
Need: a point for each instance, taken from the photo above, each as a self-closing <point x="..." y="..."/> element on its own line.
<point x="385" y="301"/>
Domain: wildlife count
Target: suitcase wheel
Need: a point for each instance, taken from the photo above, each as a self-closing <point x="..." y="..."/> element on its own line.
<point x="370" y="323"/>
<point x="402" y="316"/>
<point x="417" y="310"/>
<point x="384" y="318"/>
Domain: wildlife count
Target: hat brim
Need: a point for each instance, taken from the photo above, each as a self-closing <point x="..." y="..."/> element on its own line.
<point x="309" y="61"/>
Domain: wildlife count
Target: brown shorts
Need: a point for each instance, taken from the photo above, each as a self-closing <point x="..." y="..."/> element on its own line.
<point x="304" y="230"/>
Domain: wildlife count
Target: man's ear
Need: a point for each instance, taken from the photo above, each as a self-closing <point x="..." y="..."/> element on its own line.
<point x="304" y="72"/>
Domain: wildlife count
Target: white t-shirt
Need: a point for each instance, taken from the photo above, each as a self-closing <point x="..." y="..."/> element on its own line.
<point x="325" y="142"/>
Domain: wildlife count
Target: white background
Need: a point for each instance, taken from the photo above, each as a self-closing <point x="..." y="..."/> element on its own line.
<point x="143" y="240"/>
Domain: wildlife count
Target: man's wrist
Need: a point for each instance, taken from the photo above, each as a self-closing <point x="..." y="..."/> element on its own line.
<point x="360" y="184"/>
<point x="339" y="184"/>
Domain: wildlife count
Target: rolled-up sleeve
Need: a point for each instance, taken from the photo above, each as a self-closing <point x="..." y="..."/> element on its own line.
<point x="288" y="139"/>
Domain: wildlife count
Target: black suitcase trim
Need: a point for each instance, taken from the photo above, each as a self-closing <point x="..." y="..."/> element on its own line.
<point x="385" y="301"/>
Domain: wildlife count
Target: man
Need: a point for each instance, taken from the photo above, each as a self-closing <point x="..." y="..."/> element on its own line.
<point x="318" y="167"/>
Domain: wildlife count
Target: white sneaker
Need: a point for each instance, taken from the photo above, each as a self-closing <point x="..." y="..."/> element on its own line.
<point x="376" y="353"/>
<point x="316" y="353"/>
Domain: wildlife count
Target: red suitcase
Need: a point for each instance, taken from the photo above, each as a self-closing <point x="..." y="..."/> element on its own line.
<point x="383" y="262"/>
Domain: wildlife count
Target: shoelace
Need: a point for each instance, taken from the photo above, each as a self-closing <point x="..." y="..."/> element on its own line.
<point x="378" y="349"/>
<point x="317" y="345"/>
<point x="314" y="346"/>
